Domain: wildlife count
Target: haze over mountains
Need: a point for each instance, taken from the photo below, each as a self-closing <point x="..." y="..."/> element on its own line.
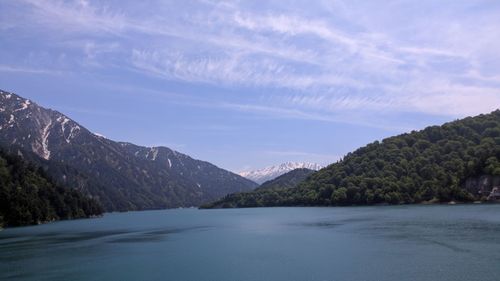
<point x="265" y="174"/>
<point x="122" y="176"/>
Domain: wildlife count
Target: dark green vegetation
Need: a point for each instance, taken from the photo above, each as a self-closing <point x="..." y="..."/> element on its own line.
<point x="437" y="164"/>
<point x="121" y="176"/>
<point x="29" y="196"/>
<point x="288" y="180"/>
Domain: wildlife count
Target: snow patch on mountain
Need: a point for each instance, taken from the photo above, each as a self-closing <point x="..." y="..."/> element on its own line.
<point x="63" y="121"/>
<point x="12" y="119"/>
<point x="73" y="129"/>
<point x="262" y="175"/>
<point x="101" y="136"/>
<point x="24" y="106"/>
<point x="155" y="152"/>
<point x="45" y="141"/>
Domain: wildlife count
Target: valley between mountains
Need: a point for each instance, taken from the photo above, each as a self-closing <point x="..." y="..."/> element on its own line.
<point x="457" y="162"/>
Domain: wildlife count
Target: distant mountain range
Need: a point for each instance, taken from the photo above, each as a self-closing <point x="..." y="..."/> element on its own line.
<point x="287" y="180"/>
<point x="262" y="175"/>
<point x="267" y="194"/>
<point x="121" y="176"/>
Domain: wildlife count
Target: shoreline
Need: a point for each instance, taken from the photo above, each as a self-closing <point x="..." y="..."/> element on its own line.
<point x="424" y="203"/>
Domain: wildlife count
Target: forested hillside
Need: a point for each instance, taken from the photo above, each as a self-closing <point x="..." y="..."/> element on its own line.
<point x="431" y="165"/>
<point x="28" y="196"/>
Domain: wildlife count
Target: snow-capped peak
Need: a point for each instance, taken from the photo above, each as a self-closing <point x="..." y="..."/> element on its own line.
<point x="262" y="175"/>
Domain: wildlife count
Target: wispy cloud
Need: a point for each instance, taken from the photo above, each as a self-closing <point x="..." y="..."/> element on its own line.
<point x="9" y="68"/>
<point x="280" y="112"/>
<point x="27" y="70"/>
<point x="77" y="15"/>
<point x="326" y="65"/>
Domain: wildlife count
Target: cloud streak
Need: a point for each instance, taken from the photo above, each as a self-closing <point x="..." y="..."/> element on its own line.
<point x="322" y="65"/>
<point x="27" y="70"/>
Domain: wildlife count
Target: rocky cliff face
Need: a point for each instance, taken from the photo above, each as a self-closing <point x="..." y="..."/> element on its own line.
<point x="482" y="185"/>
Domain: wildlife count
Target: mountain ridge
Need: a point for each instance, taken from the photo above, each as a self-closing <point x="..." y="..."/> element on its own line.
<point x="123" y="176"/>
<point x="271" y="172"/>
<point x="287" y="180"/>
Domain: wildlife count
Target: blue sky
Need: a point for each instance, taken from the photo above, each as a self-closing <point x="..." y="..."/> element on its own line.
<point x="247" y="84"/>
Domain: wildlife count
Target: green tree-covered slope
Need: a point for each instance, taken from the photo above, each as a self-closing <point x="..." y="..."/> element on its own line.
<point x="28" y="196"/>
<point x="432" y="165"/>
<point x="287" y="180"/>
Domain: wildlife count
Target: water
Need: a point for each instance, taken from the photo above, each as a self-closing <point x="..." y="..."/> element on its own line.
<point x="459" y="242"/>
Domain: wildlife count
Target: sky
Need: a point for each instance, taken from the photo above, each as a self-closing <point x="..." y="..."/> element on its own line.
<point x="248" y="84"/>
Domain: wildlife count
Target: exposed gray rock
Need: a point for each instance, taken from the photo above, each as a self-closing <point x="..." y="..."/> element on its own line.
<point x="482" y="185"/>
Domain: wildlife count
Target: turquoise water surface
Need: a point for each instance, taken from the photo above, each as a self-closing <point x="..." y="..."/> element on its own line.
<point x="460" y="242"/>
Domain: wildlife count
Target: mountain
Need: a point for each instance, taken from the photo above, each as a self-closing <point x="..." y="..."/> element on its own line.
<point x="28" y="196"/>
<point x="458" y="161"/>
<point x="288" y="180"/>
<point x="262" y="175"/>
<point x="122" y="176"/>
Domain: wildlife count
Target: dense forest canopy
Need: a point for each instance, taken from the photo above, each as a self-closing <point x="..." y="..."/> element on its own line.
<point x="29" y="196"/>
<point x="431" y="165"/>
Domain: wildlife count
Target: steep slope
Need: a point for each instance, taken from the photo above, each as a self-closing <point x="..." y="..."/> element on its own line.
<point x="262" y="175"/>
<point x="121" y="176"/>
<point x="457" y="161"/>
<point x="28" y="196"/>
<point x="288" y="180"/>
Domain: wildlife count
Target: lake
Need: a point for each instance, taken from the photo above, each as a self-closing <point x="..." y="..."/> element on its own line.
<point x="460" y="242"/>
